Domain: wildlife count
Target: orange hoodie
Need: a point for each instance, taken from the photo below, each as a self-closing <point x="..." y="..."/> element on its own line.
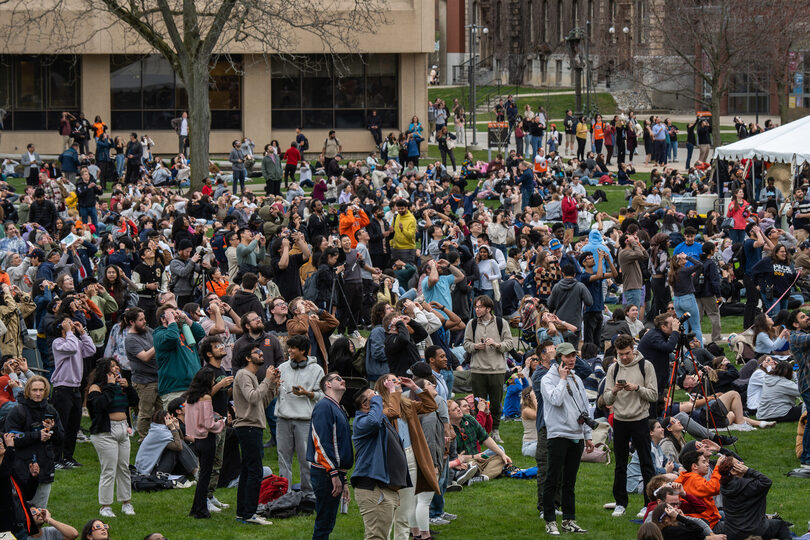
<point x="705" y="490"/>
<point x="350" y="223"/>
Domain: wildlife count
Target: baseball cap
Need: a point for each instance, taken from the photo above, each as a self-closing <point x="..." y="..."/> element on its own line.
<point x="554" y="244"/>
<point x="565" y="349"/>
<point x="804" y="245"/>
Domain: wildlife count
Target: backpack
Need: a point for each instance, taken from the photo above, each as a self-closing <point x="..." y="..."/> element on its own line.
<point x="149" y="482"/>
<point x="498" y="322"/>
<point x="615" y="369"/>
<point x="272" y="488"/>
<point x="310" y="291"/>
<point x="738" y="260"/>
<point x="304" y="146"/>
<point x="218" y="247"/>
<point x="742" y="345"/>
<point x="699" y="281"/>
<point x="285" y="506"/>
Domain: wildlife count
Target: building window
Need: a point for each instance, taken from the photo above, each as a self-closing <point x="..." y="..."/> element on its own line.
<point x="641" y="14"/>
<point x="544" y="27"/>
<point x="35" y="90"/>
<point x="325" y="92"/>
<point x="531" y="22"/>
<point x="146" y="93"/>
<point x="746" y="93"/>
<point x="575" y="13"/>
<point x="558" y="72"/>
<point x="590" y="19"/>
<point x="560" y="31"/>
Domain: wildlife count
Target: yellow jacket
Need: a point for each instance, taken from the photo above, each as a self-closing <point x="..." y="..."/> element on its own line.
<point x="404" y="231"/>
<point x="582" y="130"/>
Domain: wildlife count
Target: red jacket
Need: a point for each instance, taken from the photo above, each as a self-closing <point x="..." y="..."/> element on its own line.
<point x="739" y="213"/>
<point x="569" y="210"/>
<point x="292" y="155"/>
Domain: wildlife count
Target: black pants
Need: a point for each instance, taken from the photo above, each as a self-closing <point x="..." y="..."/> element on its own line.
<point x="376" y="133"/>
<point x="68" y="403"/>
<point x="271" y="187"/>
<point x="206" y="449"/>
<point x="623" y="433"/>
<point x="581" y="148"/>
<point x="149" y="306"/>
<point x="326" y="506"/>
<point x="490" y="386"/>
<point x="173" y="462"/>
<point x="250" y="475"/>
<point x="598" y="145"/>
<point x="445" y="152"/>
<point x="369" y="299"/>
<point x="541" y="457"/>
<point x="592" y="328"/>
<point x="106" y="173"/>
<point x="751" y="300"/>
<point x="380" y="260"/>
<point x="608" y="153"/>
<point x="133" y="173"/>
<point x="351" y="305"/>
<point x="289" y="173"/>
<point x="661" y="296"/>
<point x="659" y="151"/>
<point x="563" y="463"/>
<point x="33" y="177"/>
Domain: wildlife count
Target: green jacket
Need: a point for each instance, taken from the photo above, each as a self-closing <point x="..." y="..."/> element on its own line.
<point x="177" y="362"/>
<point x="107" y="305"/>
<point x="271" y="170"/>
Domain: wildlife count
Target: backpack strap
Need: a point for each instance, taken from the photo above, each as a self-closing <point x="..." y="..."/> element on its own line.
<point x="641" y="368"/>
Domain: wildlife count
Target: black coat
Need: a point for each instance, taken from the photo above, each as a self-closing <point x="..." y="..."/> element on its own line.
<point x="98" y="405"/>
<point x="744" y="501"/>
<point x="43" y="213"/>
<point x="377" y="243"/>
<point x="26" y="418"/>
<point x="400" y="348"/>
<point x="244" y="302"/>
<point x="655" y="346"/>
<point x="135" y="149"/>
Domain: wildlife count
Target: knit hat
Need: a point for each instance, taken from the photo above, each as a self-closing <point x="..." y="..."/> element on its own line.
<point x="185" y="243"/>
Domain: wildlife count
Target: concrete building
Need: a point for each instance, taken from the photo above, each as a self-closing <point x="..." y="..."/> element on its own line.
<point x="118" y="77"/>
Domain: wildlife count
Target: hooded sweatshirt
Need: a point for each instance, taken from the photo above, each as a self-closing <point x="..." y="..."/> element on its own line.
<point x="567" y="298"/>
<point x="290" y="406"/>
<point x="596" y="244"/>
<point x="630" y="406"/>
<point x="561" y="409"/>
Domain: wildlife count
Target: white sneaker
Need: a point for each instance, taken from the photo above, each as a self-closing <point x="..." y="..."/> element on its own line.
<point x="127" y="509"/>
<point x="496" y="436"/>
<point x="551" y="528"/>
<point x="106" y="511"/>
<point x="765" y="424"/>
<point x="212" y="507"/>
<point x="642" y="512"/>
<point x="618" y="511"/>
<point x="741" y="427"/>
<point x="219" y="503"/>
<point x="257" y="520"/>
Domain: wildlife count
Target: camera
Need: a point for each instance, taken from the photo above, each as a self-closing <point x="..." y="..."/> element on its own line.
<point x="585" y="418"/>
<point x="202" y="251"/>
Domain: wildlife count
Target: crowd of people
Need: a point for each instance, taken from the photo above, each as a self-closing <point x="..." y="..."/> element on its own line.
<point x="345" y="325"/>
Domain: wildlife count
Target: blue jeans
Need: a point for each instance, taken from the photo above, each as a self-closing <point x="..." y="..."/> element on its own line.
<point x="805" y="457"/>
<point x="783" y="304"/>
<point x="239" y="177"/>
<point x="270" y="415"/>
<point x="737" y="235"/>
<point x="120" y="164"/>
<point x="250" y="475"/>
<point x="326" y="506"/>
<point x="535" y="141"/>
<point x="673" y="149"/>
<point x="633" y="296"/>
<point x="687" y="304"/>
<point x="89" y="213"/>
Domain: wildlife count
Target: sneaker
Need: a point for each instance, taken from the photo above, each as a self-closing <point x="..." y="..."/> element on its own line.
<point x="212" y="508"/>
<point x="219" y="503"/>
<point x="127" y="509"/>
<point x="438" y="521"/>
<point x="448" y="516"/>
<point x="471" y="471"/>
<point x="569" y="525"/>
<point x="557" y="512"/>
<point x="60" y="465"/>
<point x="766" y="424"/>
<point x="741" y="427"/>
<point x="73" y="463"/>
<point x="618" y="511"/>
<point x="478" y="478"/>
<point x="642" y="512"/>
<point x="496" y="436"/>
<point x="81" y="437"/>
<point x="106" y="511"/>
<point x="255" y="520"/>
<point x="609" y="506"/>
<point x="551" y="528"/>
<point x="804" y="466"/>
<point x="726" y="440"/>
<point x="454" y="487"/>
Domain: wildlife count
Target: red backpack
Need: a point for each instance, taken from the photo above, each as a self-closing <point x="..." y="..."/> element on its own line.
<point x="272" y="488"/>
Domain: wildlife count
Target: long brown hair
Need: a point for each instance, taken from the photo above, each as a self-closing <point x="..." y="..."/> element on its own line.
<point x="674" y="266"/>
<point x="380" y="388"/>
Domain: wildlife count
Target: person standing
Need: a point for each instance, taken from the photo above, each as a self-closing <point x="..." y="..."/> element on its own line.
<point x="657" y="344"/>
<point x="630" y="387"/>
<point x="631" y="256"/>
<point x="149" y="276"/>
<point x="271" y="171"/>
<point x="799" y="324"/>
<point x="707" y="294"/>
<point x="202" y="425"/>
<point x="104" y="159"/>
<point x="569" y="126"/>
<point x="176" y="358"/>
<point x="87" y="193"/>
<point x="331" y="149"/>
<point x="403" y="243"/>
<point x="546" y="353"/>
<point x="564" y="402"/>
<point x="181" y="127"/>
<point x="381" y="465"/>
<point x="297" y="397"/>
<point x="487" y="339"/>
<point x="69" y="351"/>
<point x="330" y="454"/>
<point x="134" y="153"/>
<point x="141" y="355"/>
<point x="704" y="136"/>
<point x="31" y="163"/>
<point x="237" y="159"/>
<point x="250" y="399"/>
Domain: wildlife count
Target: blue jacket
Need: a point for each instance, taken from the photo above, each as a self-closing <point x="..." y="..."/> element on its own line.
<point x="511" y="402"/>
<point x="103" y="150"/>
<point x="330" y="442"/>
<point x="376" y="361"/>
<point x="69" y="161"/>
<point x="371" y="443"/>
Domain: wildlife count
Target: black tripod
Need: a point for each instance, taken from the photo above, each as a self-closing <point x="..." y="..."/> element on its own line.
<point x="337" y="284"/>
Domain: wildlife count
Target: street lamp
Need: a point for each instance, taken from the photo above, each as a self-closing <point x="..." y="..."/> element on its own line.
<point x="574" y="37"/>
<point x="475" y="29"/>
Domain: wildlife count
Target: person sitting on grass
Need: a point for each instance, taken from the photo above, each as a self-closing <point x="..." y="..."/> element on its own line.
<point x="664" y="489"/>
<point x="511" y="401"/>
<point x="469" y="434"/>
<point x="695" y="467"/>
<point x="675" y="525"/>
<point x="164" y="450"/>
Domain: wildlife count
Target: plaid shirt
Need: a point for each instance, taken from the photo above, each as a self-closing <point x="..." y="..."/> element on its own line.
<point x="469" y="435"/>
<point x="800" y="349"/>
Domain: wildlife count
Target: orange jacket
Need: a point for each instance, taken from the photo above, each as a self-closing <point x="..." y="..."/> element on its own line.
<point x="705" y="490"/>
<point x="350" y="223"/>
<point x="217" y="287"/>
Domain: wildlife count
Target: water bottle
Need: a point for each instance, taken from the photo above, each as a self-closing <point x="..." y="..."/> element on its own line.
<point x="189" y="337"/>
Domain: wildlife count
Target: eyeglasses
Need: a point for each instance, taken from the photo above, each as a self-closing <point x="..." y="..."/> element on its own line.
<point x="100" y="526"/>
<point x="218" y="346"/>
<point x="335" y="378"/>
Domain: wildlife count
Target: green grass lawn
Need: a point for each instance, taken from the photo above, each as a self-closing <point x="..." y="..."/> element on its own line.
<point x="462" y="93"/>
<point x="503" y="508"/>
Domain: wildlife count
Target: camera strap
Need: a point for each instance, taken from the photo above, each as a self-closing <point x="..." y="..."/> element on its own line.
<point x="571" y="393"/>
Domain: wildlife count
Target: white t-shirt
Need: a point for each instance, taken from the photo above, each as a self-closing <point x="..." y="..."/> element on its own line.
<point x="184" y="126"/>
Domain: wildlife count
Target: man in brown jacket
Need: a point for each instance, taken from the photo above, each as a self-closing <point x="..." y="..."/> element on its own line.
<point x="307" y="316"/>
<point x="631" y="257"/>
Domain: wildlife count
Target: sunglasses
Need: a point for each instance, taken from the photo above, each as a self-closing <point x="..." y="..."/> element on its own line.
<point x="335" y="378"/>
<point x="102" y="526"/>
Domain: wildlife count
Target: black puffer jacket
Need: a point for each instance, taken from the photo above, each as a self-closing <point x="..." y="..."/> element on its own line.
<point x="26" y="421"/>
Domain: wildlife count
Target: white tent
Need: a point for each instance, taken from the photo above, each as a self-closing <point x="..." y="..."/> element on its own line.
<point x="789" y="143"/>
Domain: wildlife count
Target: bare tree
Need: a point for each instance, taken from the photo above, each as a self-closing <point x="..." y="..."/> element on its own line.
<point x="190" y="33"/>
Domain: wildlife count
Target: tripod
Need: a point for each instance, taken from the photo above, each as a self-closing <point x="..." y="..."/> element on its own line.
<point x="337" y="283"/>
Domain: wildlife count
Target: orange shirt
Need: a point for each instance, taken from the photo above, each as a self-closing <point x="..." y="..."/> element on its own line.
<point x="4" y="278"/>
<point x="598" y="131"/>
<point x="99" y="128"/>
<point x="350" y="223"/>
<point x="703" y="489"/>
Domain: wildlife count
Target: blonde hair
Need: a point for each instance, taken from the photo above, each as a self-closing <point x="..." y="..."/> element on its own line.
<point x="525" y="400"/>
<point x="32" y="380"/>
<point x="380" y="388"/>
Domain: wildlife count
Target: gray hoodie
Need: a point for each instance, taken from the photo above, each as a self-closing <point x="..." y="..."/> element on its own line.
<point x="290" y="406"/>
<point x="567" y="298"/>
<point x="561" y="409"/>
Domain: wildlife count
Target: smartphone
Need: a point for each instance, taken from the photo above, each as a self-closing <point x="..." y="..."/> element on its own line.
<point x="621" y="381"/>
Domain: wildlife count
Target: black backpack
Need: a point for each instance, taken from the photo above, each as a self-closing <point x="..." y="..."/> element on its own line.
<point x="699" y="281"/>
<point x="738" y="260"/>
<point x="615" y="369"/>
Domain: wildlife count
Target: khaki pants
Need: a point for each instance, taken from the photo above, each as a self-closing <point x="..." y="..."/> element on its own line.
<point x="113" y="456"/>
<point x="406" y="512"/>
<point x="492" y="467"/>
<point x="148" y="402"/>
<point x="218" y="454"/>
<point x="65" y="142"/>
<point x="704" y="152"/>
<point x="377" y="506"/>
<point x="167" y="398"/>
<point x="708" y="306"/>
